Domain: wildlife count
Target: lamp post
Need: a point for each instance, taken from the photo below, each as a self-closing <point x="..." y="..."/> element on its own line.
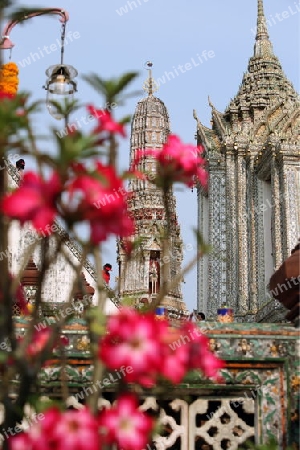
<point x="60" y="85"/>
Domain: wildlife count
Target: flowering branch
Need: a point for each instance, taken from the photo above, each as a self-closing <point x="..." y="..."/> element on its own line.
<point x="81" y="176"/>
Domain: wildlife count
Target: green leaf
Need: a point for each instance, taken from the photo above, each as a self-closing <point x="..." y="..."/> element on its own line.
<point x="111" y="89"/>
<point x="272" y="382"/>
<point x="270" y="445"/>
<point x="128" y="301"/>
<point x="269" y="416"/>
<point x="41" y="404"/>
<point x="227" y="376"/>
<point x="21" y="15"/>
<point x="97" y="321"/>
<point x="5" y="3"/>
<point x="202" y="246"/>
<point x="270" y="400"/>
<point x="125" y="120"/>
<point x="3" y="357"/>
<point x="66" y="108"/>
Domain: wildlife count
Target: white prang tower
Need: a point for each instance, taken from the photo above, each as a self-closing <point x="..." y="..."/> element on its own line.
<point x="141" y="276"/>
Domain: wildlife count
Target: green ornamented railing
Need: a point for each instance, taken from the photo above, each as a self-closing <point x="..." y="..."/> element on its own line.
<point x="255" y="401"/>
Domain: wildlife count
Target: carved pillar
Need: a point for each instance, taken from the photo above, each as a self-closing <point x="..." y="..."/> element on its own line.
<point x="260" y="253"/>
<point x="202" y="266"/>
<point x="121" y="261"/>
<point x="242" y="254"/>
<point x="146" y="260"/>
<point x="277" y="199"/>
<point x="234" y="118"/>
<point x="217" y="227"/>
<point x="251" y="216"/>
<point x="291" y="205"/>
<point x="231" y="227"/>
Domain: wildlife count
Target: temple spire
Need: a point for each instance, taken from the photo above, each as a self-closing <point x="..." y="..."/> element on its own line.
<point x="141" y="276"/>
<point x="263" y="46"/>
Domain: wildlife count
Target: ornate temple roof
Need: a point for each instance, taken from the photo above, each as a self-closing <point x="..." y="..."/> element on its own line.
<point x="264" y="84"/>
<point x="150" y="124"/>
<point x="149" y="130"/>
<point x="266" y="101"/>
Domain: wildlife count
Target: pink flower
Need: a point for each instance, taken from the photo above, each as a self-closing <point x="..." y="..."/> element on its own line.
<point x="20" y="298"/>
<point x="175" y="357"/>
<point x="125" y="425"/>
<point x="6" y="96"/>
<point x="128" y="246"/>
<point x="177" y="162"/>
<point x="119" y="225"/>
<point x="106" y="122"/>
<point x="211" y="365"/>
<point x="71" y="430"/>
<point x="99" y="197"/>
<point x="76" y="430"/>
<point x="34" y="437"/>
<point x="64" y="340"/>
<point x="42" y="428"/>
<point x="153" y="349"/>
<point x="39" y="341"/>
<point x="21" y="442"/>
<point x="133" y="340"/>
<point x="34" y="201"/>
<point x="199" y="355"/>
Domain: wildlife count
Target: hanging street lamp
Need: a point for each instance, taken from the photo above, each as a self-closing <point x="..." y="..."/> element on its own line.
<point x="60" y="85"/>
<point x="60" y="88"/>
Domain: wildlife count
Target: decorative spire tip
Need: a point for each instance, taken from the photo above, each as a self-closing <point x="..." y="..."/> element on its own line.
<point x="150" y="84"/>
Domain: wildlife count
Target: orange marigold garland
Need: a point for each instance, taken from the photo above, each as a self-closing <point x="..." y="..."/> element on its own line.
<point x="9" y="80"/>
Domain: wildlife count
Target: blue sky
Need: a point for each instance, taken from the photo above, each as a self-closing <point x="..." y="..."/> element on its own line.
<point x="112" y="37"/>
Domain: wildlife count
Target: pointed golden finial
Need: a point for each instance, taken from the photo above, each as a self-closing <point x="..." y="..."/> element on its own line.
<point x="150" y="84"/>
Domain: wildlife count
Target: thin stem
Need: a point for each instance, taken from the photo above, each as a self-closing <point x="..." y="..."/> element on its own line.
<point x="113" y="147"/>
<point x="98" y="366"/>
<point x="64" y="377"/>
<point x="166" y="238"/>
<point x="63" y="33"/>
<point x="167" y="285"/>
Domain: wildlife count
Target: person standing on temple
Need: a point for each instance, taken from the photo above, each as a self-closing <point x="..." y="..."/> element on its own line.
<point x="196" y="316"/>
<point x="20" y="166"/>
<point x="105" y="272"/>
<point x="200" y="316"/>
